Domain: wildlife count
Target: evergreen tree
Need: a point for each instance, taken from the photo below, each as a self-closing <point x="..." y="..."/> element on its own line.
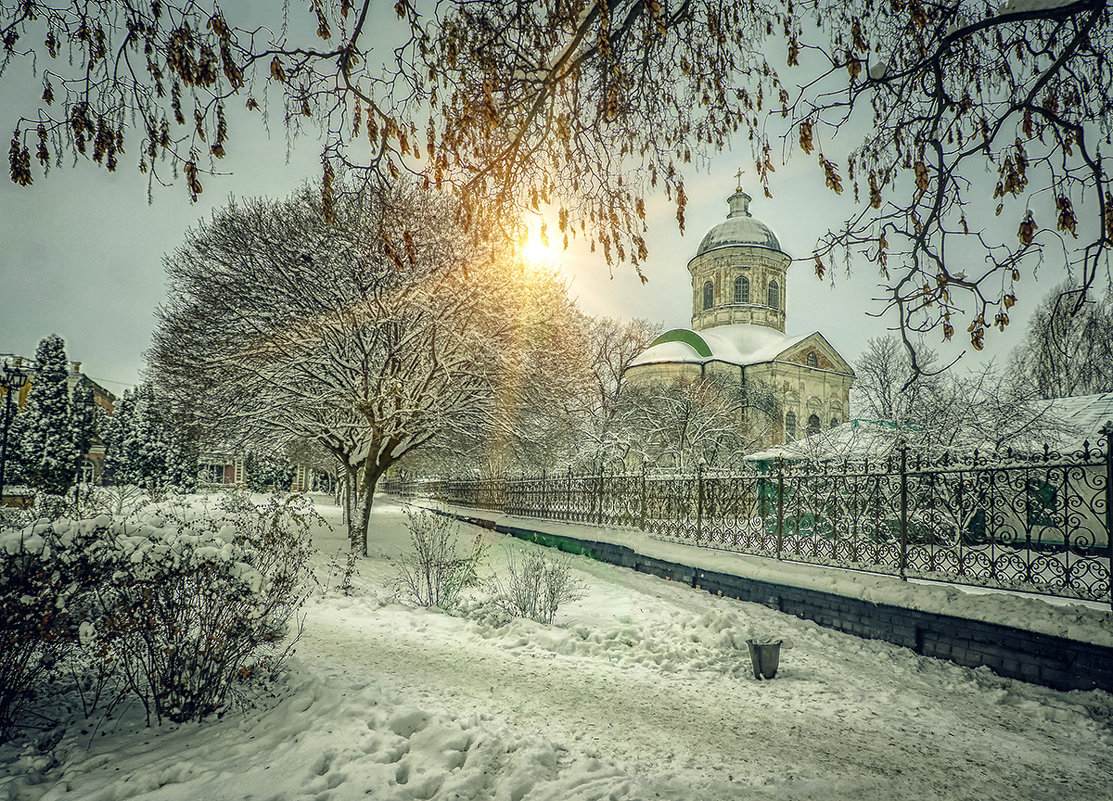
<point x="267" y="473"/>
<point x="182" y="455"/>
<point x="48" y="447"/>
<point x="150" y="441"/>
<point x="82" y="424"/>
<point x="119" y="437"/>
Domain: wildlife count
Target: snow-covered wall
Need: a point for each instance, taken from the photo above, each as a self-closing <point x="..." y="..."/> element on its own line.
<point x="1038" y="658"/>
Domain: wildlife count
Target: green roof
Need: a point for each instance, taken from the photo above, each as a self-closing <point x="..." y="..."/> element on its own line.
<point x="688" y="337"/>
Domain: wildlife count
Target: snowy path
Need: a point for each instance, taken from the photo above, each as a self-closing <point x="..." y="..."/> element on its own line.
<point x="640" y="691"/>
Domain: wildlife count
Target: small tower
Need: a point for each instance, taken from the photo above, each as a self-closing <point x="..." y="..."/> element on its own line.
<point x="738" y="272"/>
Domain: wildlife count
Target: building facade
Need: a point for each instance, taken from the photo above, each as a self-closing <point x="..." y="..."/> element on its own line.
<point x="739" y="289"/>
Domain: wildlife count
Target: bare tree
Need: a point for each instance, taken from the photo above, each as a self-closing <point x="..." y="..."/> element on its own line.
<point x="583" y="108"/>
<point x="888" y="387"/>
<point x="1068" y="349"/>
<point x="603" y="404"/>
<point x="712" y="421"/>
<point x="951" y="89"/>
<point x="986" y="408"/>
<point x="372" y="336"/>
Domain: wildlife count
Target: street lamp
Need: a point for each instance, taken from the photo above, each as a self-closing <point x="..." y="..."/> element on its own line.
<point x="12" y="380"/>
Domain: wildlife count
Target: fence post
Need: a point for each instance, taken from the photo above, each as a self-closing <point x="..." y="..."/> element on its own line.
<point x="568" y="497"/>
<point x="780" y="503"/>
<point x="699" y="501"/>
<point x="599" y="497"/>
<point x="1107" y="432"/>
<point x="641" y="518"/>
<point x="903" y="511"/>
<point x="544" y="495"/>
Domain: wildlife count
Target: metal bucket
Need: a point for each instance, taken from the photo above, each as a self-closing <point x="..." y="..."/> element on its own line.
<point x="766" y="657"/>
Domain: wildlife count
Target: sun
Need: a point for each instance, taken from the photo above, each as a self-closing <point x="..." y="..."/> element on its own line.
<point x="538" y="249"/>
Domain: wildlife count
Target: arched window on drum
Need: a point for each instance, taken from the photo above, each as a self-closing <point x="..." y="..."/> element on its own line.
<point x="741" y="289"/>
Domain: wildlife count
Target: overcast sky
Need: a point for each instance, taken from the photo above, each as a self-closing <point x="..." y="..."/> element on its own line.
<point x="81" y="250"/>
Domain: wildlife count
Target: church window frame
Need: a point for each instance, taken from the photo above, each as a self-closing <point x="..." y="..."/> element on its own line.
<point x="741" y="289"/>
<point x="835" y="422"/>
<point x="814" y="425"/>
<point x="708" y="296"/>
<point x="774" y="294"/>
<point x="790" y="426"/>
<point x="812" y="359"/>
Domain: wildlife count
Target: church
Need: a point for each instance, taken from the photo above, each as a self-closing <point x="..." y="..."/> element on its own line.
<point x="739" y="289"/>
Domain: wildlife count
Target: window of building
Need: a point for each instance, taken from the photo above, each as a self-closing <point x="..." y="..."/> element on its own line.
<point x="708" y="295"/>
<point x="774" y="295"/>
<point x="790" y="426"/>
<point x="813" y="424"/>
<point x="741" y="289"/>
<point x="813" y="360"/>
<point x="834" y="422"/>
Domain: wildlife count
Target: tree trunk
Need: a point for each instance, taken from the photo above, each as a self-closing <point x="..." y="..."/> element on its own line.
<point x="371" y="474"/>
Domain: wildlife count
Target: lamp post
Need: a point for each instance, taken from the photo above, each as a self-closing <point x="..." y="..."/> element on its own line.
<point x="12" y="380"/>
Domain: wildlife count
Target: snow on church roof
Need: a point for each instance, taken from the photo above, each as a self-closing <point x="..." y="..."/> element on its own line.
<point x="742" y="344"/>
<point x="739" y="228"/>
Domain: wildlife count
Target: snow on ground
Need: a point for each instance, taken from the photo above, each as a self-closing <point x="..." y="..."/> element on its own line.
<point x="642" y="690"/>
<point x="1087" y="621"/>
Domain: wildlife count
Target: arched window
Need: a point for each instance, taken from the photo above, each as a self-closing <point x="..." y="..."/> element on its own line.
<point x="813" y="424"/>
<point x="813" y="360"/>
<point x="834" y="422"/>
<point x="774" y="295"/>
<point x="741" y="289"/>
<point x="708" y="295"/>
<point x="790" y="426"/>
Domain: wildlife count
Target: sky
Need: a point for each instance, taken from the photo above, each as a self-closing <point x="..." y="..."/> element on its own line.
<point x="81" y="250"/>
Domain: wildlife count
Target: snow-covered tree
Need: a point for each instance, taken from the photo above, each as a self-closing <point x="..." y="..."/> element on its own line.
<point x="48" y="446"/>
<point x="933" y="411"/>
<point x="150" y="440"/>
<point x="120" y="442"/>
<point x="373" y="335"/>
<point x="267" y="472"/>
<point x="83" y="423"/>
<point x="1068" y="347"/>
<point x="712" y="421"/>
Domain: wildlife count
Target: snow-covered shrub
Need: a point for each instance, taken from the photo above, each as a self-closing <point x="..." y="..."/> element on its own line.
<point x="118" y="500"/>
<point x="434" y="571"/>
<point x="536" y="585"/>
<point x="198" y="604"/>
<point x="44" y="569"/>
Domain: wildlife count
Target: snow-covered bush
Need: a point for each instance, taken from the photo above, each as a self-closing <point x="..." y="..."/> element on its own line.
<point x="42" y="576"/>
<point x="178" y="608"/>
<point x="536" y="585"/>
<point x="434" y="571"/>
<point x="198" y="604"/>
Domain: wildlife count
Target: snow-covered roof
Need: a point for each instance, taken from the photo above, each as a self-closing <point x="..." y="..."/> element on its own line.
<point x="1084" y="414"/>
<point x="739" y="228"/>
<point x="742" y="344"/>
<point x="857" y="439"/>
<point x="1080" y="418"/>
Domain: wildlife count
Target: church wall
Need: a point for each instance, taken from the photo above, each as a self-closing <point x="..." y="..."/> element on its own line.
<point x="721" y="266"/>
<point x="669" y="373"/>
<point x="804" y="391"/>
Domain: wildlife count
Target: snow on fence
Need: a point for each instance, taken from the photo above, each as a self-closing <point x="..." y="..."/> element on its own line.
<point x="1036" y="522"/>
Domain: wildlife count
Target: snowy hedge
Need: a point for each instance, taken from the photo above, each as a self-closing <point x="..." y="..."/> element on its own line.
<point x="175" y="609"/>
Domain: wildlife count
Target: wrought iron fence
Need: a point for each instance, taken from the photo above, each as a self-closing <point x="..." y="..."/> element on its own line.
<point x="1036" y="522"/>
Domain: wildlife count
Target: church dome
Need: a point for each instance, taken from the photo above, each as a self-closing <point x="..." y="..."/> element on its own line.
<point x="739" y="228"/>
